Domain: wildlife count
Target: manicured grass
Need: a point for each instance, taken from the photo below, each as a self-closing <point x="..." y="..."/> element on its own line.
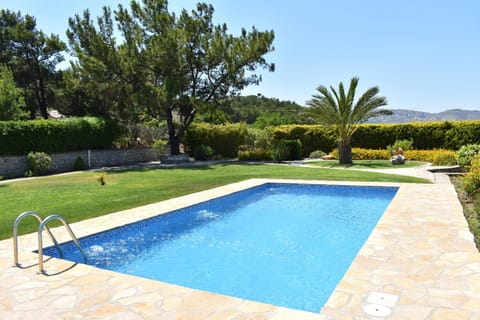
<point x="471" y="208"/>
<point x="78" y="196"/>
<point x="366" y="164"/>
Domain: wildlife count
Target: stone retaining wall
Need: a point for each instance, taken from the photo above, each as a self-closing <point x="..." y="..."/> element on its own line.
<point x="15" y="166"/>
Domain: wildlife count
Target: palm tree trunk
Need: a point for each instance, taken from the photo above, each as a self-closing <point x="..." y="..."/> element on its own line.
<point x="344" y="153"/>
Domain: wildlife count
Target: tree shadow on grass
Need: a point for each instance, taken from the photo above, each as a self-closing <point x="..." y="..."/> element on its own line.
<point x="157" y="168"/>
<point x="189" y="166"/>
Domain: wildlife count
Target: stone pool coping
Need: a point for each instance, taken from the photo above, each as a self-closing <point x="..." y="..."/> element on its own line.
<point x="420" y="251"/>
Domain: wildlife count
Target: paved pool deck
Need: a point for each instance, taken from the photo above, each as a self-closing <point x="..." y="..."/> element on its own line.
<point x="419" y="262"/>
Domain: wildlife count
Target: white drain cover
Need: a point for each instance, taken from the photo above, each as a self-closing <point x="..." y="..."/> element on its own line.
<point x="377" y="310"/>
<point x="383" y="299"/>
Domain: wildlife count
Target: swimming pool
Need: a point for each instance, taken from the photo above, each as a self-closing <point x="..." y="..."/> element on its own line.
<point x="283" y="244"/>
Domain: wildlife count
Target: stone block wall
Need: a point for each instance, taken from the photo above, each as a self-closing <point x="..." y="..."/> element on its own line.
<point x="15" y="166"/>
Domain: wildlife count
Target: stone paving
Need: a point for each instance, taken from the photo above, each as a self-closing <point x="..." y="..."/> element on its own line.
<point x="420" y="262"/>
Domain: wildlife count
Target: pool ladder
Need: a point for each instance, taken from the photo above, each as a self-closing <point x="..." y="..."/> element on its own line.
<point x="43" y="225"/>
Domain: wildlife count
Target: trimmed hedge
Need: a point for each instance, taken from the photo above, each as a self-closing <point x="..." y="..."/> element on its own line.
<point x="312" y="137"/>
<point x="425" y="135"/>
<point x="449" y="135"/>
<point x="224" y="139"/>
<point x="53" y="136"/>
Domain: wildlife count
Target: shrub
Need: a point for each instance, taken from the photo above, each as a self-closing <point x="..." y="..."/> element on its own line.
<point x="159" y="145"/>
<point x="287" y="150"/>
<point x="255" y="155"/>
<point x="471" y="181"/>
<point x="405" y="144"/>
<point x="365" y="154"/>
<point x="257" y="139"/>
<point x="317" y="154"/>
<point x="38" y="163"/>
<point x="426" y="155"/>
<point x="411" y="155"/>
<point x="444" y="158"/>
<point x="203" y="152"/>
<point x="141" y="134"/>
<point x="369" y="154"/>
<point x="79" y="164"/>
<point x="101" y="178"/>
<point x="466" y="153"/>
<point x="224" y="139"/>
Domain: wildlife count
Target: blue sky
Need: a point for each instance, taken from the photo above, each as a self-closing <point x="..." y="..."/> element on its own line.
<point x="423" y="55"/>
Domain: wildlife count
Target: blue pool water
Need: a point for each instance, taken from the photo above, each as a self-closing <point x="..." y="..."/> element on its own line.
<point x="283" y="244"/>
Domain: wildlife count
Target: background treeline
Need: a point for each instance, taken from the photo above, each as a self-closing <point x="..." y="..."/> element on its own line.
<point x="255" y="110"/>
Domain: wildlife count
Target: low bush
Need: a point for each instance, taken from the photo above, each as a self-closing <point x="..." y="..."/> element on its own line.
<point x="160" y="146"/>
<point x="38" y="163"/>
<point x="317" y="154"/>
<point x="405" y="145"/>
<point x="444" y="158"/>
<point x="471" y="181"/>
<point x="439" y="156"/>
<point x="427" y="155"/>
<point x="203" y="152"/>
<point x="365" y="154"/>
<point x="466" y="153"/>
<point x="101" y="178"/>
<point x="79" y="164"/>
<point x="255" y="155"/>
<point x="285" y="150"/>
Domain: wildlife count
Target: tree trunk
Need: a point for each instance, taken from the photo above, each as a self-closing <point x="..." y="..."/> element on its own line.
<point x="172" y="137"/>
<point x="176" y="131"/>
<point x="344" y="153"/>
<point x="43" y="99"/>
<point x="174" y="145"/>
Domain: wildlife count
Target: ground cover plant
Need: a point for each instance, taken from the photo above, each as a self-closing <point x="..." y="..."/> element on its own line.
<point x="471" y="208"/>
<point x="79" y="196"/>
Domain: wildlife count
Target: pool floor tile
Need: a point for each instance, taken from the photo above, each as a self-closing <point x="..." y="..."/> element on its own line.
<point x="420" y="250"/>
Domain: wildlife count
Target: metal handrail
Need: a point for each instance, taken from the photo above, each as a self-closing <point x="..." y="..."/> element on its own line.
<point x="40" y="238"/>
<point x="15" y="235"/>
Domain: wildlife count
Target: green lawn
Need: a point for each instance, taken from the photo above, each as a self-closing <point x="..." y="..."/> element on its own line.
<point x="366" y="164"/>
<point x="78" y="196"/>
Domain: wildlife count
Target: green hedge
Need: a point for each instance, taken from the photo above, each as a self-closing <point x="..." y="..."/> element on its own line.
<point x="425" y="135"/>
<point x="312" y="138"/>
<point x="451" y="135"/>
<point x="285" y="150"/>
<point x="52" y="136"/>
<point x="225" y="140"/>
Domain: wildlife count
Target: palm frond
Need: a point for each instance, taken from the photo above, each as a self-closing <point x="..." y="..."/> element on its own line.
<point x="338" y="108"/>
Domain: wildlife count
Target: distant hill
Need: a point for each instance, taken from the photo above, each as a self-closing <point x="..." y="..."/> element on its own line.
<point x="405" y="115"/>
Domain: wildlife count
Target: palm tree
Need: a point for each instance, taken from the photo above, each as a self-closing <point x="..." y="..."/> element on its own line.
<point x="344" y="114"/>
